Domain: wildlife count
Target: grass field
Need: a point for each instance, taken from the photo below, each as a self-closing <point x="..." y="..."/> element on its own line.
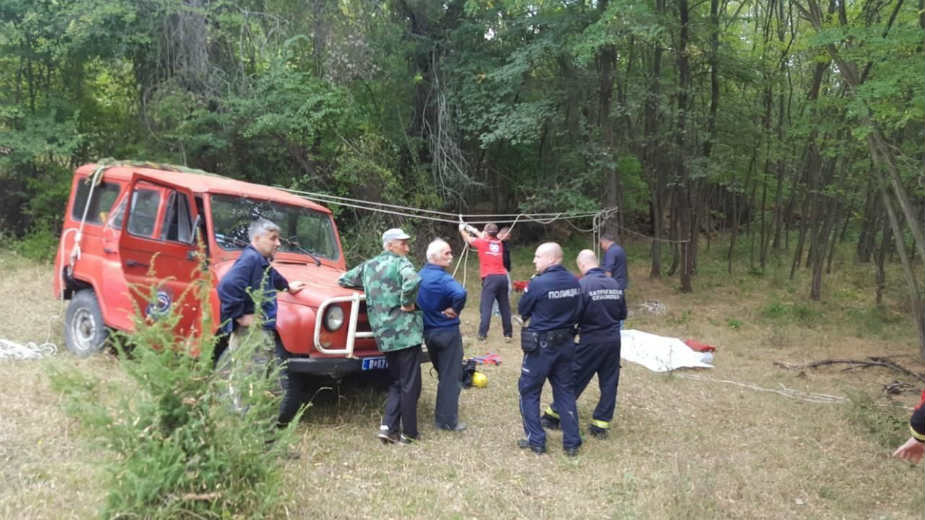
<point x="693" y="444"/>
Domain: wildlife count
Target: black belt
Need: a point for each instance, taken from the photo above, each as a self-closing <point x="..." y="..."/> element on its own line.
<point x="530" y="340"/>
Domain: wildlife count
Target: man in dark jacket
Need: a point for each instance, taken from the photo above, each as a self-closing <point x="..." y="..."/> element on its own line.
<point x="551" y="303"/>
<point x="252" y="270"/>
<point x="598" y="350"/>
<point x="614" y="261"/>
<point x="441" y="299"/>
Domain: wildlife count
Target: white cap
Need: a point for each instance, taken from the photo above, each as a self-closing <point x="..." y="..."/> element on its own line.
<point x="394" y="234"/>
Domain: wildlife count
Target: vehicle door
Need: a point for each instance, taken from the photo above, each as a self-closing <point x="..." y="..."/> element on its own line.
<point x="158" y="250"/>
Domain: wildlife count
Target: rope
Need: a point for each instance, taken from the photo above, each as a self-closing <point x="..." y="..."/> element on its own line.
<point x="463" y="259"/>
<point x="94" y="179"/>
<point x="784" y="391"/>
<point x="653" y="239"/>
<point x="438" y="216"/>
<point x="543" y="218"/>
<point x="308" y="195"/>
<point x="31" y="350"/>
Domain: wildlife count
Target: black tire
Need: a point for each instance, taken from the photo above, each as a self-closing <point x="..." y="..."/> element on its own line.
<point x="84" y="331"/>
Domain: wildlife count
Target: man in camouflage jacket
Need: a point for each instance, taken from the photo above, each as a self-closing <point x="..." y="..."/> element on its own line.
<point x="391" y="283"/>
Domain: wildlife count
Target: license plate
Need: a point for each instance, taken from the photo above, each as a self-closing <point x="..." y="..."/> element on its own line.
<point x="375" y="363"/>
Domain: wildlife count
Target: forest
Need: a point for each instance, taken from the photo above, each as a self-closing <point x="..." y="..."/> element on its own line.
<point x="785" y="128"/>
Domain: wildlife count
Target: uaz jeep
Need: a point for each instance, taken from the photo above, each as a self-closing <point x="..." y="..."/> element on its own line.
<point x="131" y="229"/>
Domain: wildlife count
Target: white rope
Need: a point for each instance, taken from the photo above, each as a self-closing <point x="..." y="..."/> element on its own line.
<point x="438" y="216"/>
<point x="784" y="391"/>
<point x="308" y="194"/>
<point x="31" y="350"/>
<point x="464" y="261"/>
<point x="94" y="179"/>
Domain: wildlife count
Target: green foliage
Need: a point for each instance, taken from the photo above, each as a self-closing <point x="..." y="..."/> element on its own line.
<point x="876" y="321"/>
<point x="39" y="245"/>
<point x="179" y="449"/>
<point x="799" y="312"/>
<point x="887" y="425"/>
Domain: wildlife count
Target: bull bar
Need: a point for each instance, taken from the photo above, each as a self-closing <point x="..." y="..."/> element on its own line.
<point x="352" y="334"/>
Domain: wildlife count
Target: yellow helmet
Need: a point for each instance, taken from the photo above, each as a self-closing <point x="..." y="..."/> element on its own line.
<point x="479" y="380"/>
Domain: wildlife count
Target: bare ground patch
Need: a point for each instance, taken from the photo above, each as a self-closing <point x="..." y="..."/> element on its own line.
<point x="680" y="447"/>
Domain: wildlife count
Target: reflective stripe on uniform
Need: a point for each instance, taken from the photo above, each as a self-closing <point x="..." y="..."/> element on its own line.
<point x="918" y="436"/>
<point x="550" y="412"/>
<point x="601" y="424"/>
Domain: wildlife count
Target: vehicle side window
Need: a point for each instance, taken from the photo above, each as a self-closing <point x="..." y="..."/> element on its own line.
<point x="144" y="212"/>
<point x="104" y="195"/>
<point x="177" y="225"/>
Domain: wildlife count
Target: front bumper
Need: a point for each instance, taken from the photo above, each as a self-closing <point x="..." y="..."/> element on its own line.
<point x="335" y="368"/>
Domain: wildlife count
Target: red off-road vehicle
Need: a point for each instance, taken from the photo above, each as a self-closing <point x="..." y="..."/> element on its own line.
<point x="132" y="230"/>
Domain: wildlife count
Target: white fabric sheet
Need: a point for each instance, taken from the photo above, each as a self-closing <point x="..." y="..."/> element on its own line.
<point x="660" y="353"/>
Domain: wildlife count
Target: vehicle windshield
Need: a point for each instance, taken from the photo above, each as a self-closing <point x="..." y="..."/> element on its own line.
<point x="302" y="230"/>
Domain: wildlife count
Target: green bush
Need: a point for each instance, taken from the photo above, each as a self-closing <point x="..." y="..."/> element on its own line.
<point x="801" y="313"/>
<point x="180" y="449"/>
<point x="39" y="245"/>
<point x="884" y="424"/>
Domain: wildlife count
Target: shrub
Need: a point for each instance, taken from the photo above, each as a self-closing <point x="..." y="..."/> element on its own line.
<point x="39" y="245"/>
<point x="179" y="448"/>
<point x="886" y="425"/>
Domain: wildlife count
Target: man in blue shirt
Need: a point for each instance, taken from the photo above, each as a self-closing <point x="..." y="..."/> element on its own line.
<point x="252" y="270"/>
<point x="614" y="261"/>
<point x="598" y="350"/>
<point x="441" y="299"/>
<point x="551" y="303"/>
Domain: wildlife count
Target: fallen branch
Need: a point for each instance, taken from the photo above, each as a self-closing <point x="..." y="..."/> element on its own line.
<point x="873" y="361"/>
<point x="783" y="390"/>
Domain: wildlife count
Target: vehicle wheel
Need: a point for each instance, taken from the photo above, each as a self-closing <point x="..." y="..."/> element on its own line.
<point x="84" y="331"/>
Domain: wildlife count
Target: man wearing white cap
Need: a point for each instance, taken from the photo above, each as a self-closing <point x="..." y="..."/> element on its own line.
<point x="391" y="284"/>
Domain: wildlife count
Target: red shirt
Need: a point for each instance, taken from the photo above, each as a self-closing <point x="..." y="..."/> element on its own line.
<point x="491" y="258"/>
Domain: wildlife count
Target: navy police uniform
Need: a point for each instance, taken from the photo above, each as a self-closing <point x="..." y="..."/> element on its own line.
<point x="552" y="305"/>
<point x="598" y="351"/>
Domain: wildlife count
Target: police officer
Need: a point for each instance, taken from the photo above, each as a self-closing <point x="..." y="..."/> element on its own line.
<point x="391" y="285"/>
<point x="598" y="350"/>
<point x="552" y="305"/>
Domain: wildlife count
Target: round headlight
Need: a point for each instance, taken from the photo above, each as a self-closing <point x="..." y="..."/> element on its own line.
<point x="334" y="318"/>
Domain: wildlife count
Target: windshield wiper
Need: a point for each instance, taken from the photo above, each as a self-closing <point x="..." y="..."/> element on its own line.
<point x="235" y="241"/>
<point x="295" y="245"/>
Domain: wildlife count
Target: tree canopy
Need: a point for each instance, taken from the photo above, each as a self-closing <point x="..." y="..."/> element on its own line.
<point x="790" y="124"/>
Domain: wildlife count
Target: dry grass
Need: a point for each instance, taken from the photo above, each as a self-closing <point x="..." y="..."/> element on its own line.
<point x="680" y="448"/>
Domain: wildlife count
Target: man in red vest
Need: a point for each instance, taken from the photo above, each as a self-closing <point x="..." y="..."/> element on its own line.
<point x="494" y="277"/>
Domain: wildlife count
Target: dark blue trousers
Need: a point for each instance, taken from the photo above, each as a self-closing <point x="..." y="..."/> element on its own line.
<point x="446" y="351"/>
<point x="602" y="359"/>
<point x="401" y="406"/>
<point x="494" y="287"/>
<point x="554" y="362"/>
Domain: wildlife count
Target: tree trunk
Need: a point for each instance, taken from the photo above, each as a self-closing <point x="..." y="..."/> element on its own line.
<point x="684" y="195"/>
<point x="651" y="153"/>
<point x="880" y="259"/>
